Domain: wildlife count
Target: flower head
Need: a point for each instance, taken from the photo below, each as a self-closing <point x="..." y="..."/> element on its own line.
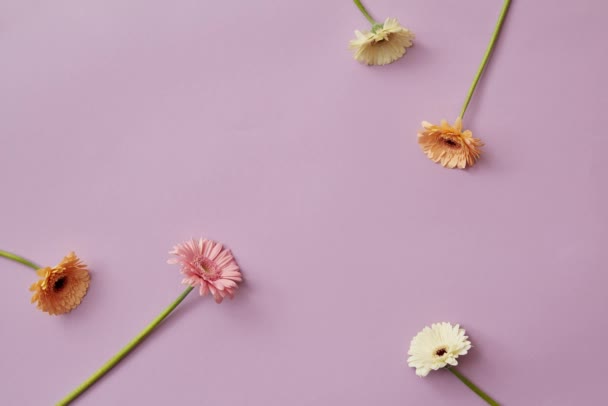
<point x="62" y="287"/>
<point x="384" y="44"/>
<point x="449" y="145"/>
<point x="437" y="346"/>
<point x="209" y="265"/>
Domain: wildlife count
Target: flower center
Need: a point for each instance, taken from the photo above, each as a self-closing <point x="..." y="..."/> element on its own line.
<point x="209" y="270"/>
<point x="450" y="142"/>
<point x="382" y="40"/>
<point x="59" y="284"/>
<point x="440" y="352"/>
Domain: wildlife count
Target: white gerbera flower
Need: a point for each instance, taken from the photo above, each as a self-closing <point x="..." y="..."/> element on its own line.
<point x="437" y="346"/>
<point x="384" y="44"/>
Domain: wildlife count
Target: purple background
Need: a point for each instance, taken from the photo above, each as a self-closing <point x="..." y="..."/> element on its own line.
<point x="129" y="126"/>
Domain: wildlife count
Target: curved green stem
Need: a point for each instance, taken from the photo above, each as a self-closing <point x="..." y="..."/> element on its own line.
<point x="364" y="11"/>
<point x="19" y="259"/>
<point x="474" y="387"/>
<point x="486" y="57"/>
<point x="125" y="351"/>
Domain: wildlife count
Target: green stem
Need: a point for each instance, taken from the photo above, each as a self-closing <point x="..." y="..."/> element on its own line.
<point x="366" y="13"/>
<point x="125" y="351"/>
<point x="474" y="387"/>
<point x="486" y="57"/>
<point x="19" y="259"/>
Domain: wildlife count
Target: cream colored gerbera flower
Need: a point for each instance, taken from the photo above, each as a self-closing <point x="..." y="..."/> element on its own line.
<point x="382" y="45"/>
<point x="437" y="346"/>
<point x="449" y="145"/>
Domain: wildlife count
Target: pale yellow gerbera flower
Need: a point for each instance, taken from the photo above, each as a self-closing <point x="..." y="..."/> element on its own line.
<point x="449" y="145"/>
<point x="62" y="287"/>
<point x="384" y="44"/>
<point x="436" y="347"/>
<point x="439" y="346"/>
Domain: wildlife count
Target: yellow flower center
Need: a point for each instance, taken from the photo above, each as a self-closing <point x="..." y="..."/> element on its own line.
<point x="381" y="40"/>
<point x="210" y="271"/>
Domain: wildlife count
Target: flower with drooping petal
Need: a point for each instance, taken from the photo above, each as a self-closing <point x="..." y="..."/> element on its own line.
<point x="449" y="145"/>
<point x="210" y="266"/>
<point x="384" y="44"/>
<point x="62" y="287"/>
<point x="437" y="346"/>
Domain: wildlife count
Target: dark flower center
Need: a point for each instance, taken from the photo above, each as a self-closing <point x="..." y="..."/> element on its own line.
<point x="440" y="352"/>
<point x="450" y="142"/>
<point x="59" y="284"/>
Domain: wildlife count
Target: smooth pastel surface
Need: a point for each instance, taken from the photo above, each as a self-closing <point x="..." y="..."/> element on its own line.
<point x="128" y="126"/>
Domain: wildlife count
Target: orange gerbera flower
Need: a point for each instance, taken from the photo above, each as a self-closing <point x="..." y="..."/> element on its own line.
<point x="62" y="287"/>
<point x="449" y="145"/>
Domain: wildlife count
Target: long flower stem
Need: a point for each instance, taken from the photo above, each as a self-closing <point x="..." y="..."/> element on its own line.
<point x="364" y="11"/>
<point x="125" y="351"/>
<point x="474" y="387"/>
<point x="486" y="57"/>
<point x="19" y="259"/>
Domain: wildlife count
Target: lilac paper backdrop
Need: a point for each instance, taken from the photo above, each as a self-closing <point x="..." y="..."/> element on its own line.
<point x="128" y="126"/>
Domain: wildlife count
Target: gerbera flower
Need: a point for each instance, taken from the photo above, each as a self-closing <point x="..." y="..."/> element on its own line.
<point x="384" y="44"/>
<point x="209" y="265"/>
<point x="449" y="145"/>
<point x="62" y="287"/>
<point x="437" y="346"/>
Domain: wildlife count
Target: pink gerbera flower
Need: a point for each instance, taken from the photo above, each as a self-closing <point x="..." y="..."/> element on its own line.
<point x="209" y="265"/>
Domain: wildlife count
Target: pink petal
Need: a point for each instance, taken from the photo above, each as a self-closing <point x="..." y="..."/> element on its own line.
<point x="231" y="267"/>
<point x="216" y="250"/>
<point x="230" y="284"/>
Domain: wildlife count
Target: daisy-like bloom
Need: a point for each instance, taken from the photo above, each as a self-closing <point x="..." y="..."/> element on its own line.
<point x="62" y="287"/>
<point x="384" y="44"/>
<point x="210" y="266"/>
<point x="449" y="145"/>
<point x="437" y="346"/>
